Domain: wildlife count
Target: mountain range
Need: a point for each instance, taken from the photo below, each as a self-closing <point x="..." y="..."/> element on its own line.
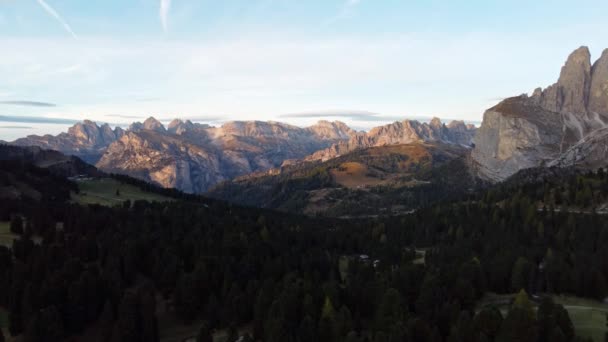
<point x="564" y="125"/>
<point x="194" y="157"/>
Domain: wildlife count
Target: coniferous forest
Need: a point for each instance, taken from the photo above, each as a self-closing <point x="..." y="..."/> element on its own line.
<point x="263" y="275"/>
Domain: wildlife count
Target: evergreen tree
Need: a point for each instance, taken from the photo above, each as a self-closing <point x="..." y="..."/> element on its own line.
<point x="204" y="333"/>
<point x="518" y="326"/>
<point x="390" y="310"/>
<point x="522" y="302"/>
<point x="327" y="324"/>
<point x="307" y="331"/>
<point x="606" y="333"/>
<point x="488" y="322"/>
<point x="520" y="274"/>
<point x="16" y="226"/>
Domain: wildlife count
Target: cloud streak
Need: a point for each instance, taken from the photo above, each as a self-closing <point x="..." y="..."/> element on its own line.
<point x="51" y="11"/>
<point x="345" y="11"/>
<point x="165" y="6"/>
<point x="28" y="103"/>
<point x="16" y="127"/>
<point x="356" y="115"/>
<point x="36" y="119"/>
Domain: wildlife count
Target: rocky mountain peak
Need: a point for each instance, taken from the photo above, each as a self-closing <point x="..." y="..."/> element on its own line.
<point x="84" y="139"/>
<point x="153" y="125"/>
<point x="575" y="80"/>
<point x="178" y="126"/>
<point x="331" y="130"/>
<point x="571" y="92"/>
<point x="399" y="132"/>
<point x="435" y="122"/>
<point x="598" y="94"/>
<point x="88" y="131"/>
<point x="523" y="132"/>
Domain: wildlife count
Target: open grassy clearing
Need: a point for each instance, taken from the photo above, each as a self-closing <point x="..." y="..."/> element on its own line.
<point x="420" y="257"/>
<point x="6" y="237"/>
<point x="103" y="191"/>
<point x="588" y="316"/>
<point x="354" y="175"/>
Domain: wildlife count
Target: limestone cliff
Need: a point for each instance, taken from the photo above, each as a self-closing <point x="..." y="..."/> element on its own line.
<point x="85" y="139"/>
<point x="403" y="132"/>
<point x="530" y="131"/>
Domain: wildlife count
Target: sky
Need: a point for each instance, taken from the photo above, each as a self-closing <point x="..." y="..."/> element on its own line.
<point x="364" y="62"/>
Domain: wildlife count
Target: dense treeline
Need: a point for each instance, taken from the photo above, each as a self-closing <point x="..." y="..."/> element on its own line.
<point x="440" y="174"/>
<point x="556" y="188"/>
<point x="299" y="279"/>
<point x="290" y="278"/>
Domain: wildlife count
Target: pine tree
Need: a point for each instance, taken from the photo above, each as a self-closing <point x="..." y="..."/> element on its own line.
<point x="522" y="301"/>
<point x="204" y="333"/>
<point x="606" y="334"/>
<point x="488" y="322"/>
<point x="16" y="225"/>
<point x="520" y="274"/>
<point x="327" y="324"/>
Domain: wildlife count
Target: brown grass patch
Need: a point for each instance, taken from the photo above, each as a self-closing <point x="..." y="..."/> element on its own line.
<point x="355" y="175"/>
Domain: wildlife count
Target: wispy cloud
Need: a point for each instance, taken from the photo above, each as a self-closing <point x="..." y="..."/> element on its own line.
<point x="165" y="6"/>
<point x="125" y="116"/>
<point x="16" y="127"/>
<point x="28" y="103"/>
<point x="345" y="10"/>
<point x="36" y="119"/>
<point x="197" y="118"/>
<point x="51" y="11"/>
<point x="354" y="115"/>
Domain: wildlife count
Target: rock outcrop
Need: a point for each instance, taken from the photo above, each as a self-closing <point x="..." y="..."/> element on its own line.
<point x="193" y="157"/>
<point x="85" y="139"/>
<point x="598" y="93"/>
<point x="403" y="132"/>
<point x="530" y="131"/>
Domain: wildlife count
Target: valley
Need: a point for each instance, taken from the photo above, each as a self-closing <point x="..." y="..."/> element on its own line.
<point x="194" y="157"/>
<point x="303" y="171"/>
<point x="374" y="181"/>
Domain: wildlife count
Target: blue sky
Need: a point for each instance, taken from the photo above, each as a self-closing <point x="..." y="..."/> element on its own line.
<point x="118" y="61"/>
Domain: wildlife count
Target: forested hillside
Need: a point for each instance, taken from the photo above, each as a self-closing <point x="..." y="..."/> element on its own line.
<point x="374" y="181"/>
<point x="120" y="273"/>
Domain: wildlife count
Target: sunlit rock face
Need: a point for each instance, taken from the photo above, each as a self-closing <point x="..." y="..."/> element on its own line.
<point x="85" y="139"/>
<point x="401" y="132"/>
<point x="194" y="157"/>
<point x="530" y="131"/>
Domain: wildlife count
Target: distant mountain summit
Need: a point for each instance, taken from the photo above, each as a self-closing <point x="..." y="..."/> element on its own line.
<point x="193" y="157"/>
<point x="85" y="139"/>
<point x="401" y="132"/>
<point x="556" y="126"/>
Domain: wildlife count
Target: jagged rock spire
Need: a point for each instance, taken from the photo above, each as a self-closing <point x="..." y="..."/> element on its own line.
<point x="598" y="94"/>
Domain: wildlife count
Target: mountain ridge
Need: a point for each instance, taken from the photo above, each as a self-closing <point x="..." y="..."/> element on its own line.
<point x="530" y="131"/>
<point x="193" y="157"/>
<point x="402" y="132"/>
